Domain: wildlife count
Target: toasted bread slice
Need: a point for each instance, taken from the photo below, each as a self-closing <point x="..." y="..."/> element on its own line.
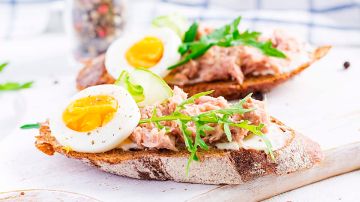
<point x="94" y="73"/>
<point x="215" y="166"/>
<point x="233" y="90"/>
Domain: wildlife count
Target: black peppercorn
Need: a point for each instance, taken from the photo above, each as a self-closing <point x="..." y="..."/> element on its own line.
<point x="258" y="96"/>
<point x="346" y="64"/>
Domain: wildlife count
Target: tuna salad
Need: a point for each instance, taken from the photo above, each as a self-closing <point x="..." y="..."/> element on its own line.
<point x="238" y="62"/>
<point x="149" y="135"/>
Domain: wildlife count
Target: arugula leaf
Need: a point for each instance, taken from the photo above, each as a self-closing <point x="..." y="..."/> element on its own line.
<point x="189" y="37"/>
<point x="136" y="91"/>
<point x="269" y="50"/>
<point x="247" y="35"/>
<point x="202" y="121"/>
<point x="195" y="50"/>
<point x="227" y="132"/>
<point x="198" y="133"/>
<point x="190" y="34"/>
<point x="3" y="65"/>
<point x="186" y="134"/>
<point x="158" y="124"/>
<point x="225" y="36"/>
<point x="192" y="99"/>
<point x="15" y="86"/>
<point x="269" y="148"/>
<point x="9" y="86"/>
<point x="218" y="34"/>
<point x="257" y="131"/>
<point x="30" y="126"/>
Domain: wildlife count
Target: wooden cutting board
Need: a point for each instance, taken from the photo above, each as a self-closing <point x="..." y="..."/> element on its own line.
<point x="337" y="161"/>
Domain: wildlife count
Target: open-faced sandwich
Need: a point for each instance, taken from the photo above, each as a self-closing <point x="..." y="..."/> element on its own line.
<point x="233" y="63"/>
<point x="140" y="128"/>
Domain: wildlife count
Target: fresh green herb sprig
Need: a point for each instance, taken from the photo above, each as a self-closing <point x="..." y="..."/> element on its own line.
<point x="225" y="36"/>
<point x="190" y="34"/>
<point x="3" y="65"/>
<point x="30" y="126"/>
<point x="202" y="124"/>
<point x="11" y="86"/>
<point x="8" y="86"/>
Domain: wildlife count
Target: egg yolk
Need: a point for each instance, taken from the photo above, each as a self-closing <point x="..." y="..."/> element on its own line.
<point x="89" y="113"/>
<point x="145" y="53"/>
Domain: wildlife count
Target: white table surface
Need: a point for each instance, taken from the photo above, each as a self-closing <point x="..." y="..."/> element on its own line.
<point x="323" y="103"/>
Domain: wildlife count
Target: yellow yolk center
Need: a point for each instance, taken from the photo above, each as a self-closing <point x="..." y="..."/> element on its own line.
<point x="145" y="53"/>
<point x="89" y="113"/>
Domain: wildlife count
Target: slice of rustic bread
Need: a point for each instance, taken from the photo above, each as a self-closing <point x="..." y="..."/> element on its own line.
<point x="94" y="73"/>
<point x="215" y="166"/>
<point x="233" y="90"/>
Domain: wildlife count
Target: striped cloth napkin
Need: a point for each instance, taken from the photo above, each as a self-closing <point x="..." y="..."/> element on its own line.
<point x="317" y="21"/>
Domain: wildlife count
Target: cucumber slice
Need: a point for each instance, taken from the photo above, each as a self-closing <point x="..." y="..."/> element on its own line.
<point x="154" y="88"/>
<point x="175" y="22"/>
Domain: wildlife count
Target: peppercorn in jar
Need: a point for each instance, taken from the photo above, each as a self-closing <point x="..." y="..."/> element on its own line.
<point x="94" y="24"/>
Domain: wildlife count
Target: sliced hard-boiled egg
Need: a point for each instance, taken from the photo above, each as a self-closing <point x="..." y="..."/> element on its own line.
<point x="155" y="50"/>
<point x="96" y="119"/>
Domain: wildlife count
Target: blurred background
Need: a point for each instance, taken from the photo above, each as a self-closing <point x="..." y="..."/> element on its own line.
<point x="311" y="18"/>
<point x="43" y="40"/>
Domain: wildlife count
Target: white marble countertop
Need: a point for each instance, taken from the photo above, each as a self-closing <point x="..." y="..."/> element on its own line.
<point x="323" y="103"/>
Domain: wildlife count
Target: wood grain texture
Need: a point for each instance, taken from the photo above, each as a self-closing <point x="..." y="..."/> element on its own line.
<point x="268" y="186"/>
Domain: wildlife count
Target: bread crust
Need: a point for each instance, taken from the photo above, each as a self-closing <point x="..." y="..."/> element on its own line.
<point x="233" y="90"/>
<point x="215" y="166"/>
<point x="94" y="73"/>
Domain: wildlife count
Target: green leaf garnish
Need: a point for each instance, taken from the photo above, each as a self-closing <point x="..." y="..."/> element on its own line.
<point x="192" y="99"/>
<point x="30" y="126"/>
<point x="136" y="91"/>
<point x="202" y="121"/>
<point x="15" y="86"/>
<point x="190" y="34"/>
<point x="227" y="132"/>
<point x="269" y="148"/>
<point x="11" y="86"/>
<point x="225" y="36"/>
<point x="2" y="66"/>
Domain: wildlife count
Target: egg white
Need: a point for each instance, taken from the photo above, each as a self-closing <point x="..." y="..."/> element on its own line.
<point x="116" y="62"/>
<point x="104" y="138"/>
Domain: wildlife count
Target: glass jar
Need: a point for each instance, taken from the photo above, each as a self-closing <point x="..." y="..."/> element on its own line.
<point x="93" y="25"/>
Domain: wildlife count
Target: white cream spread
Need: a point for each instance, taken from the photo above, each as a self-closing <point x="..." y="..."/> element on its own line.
<point x="276" y="136"/>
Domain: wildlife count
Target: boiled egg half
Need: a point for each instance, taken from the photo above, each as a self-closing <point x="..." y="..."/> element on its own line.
<point x="154" y="50"/>
<point x="96" y="119"/>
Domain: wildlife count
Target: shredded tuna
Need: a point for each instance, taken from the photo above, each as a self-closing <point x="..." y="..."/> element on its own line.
<point x="153" y="138"/>
<point x="147" y="135"/>
<point x="257" y="116"/>
<point x="235" y="63"/>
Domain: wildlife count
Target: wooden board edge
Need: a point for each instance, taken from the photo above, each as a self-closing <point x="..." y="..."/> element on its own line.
<point x="269" y="186"/>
